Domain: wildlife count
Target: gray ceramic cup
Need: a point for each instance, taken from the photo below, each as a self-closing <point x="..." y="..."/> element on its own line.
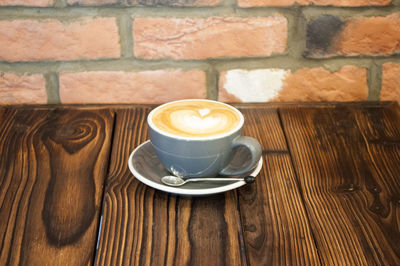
<point x="203" y="156"/>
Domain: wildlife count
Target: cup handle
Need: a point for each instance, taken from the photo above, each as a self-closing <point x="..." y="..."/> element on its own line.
<point x="255" y="150"/>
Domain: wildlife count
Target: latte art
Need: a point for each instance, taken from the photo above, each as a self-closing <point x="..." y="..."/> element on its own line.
<point x="195" y="118"/>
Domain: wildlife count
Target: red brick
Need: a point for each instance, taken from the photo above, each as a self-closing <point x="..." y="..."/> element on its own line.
<point x="316" y="84"/>
<point x="390" y="90"/>
<point x="144" y="3"/>
<point x="372" y="36"/>
<point x="156" y="86"/>
<point x="25" y="89"/>
<point x="32" y="40"/>
<point x="344" y="3"/>
<point x="91" y="2"/>
<point x="212" y="37"/>
<point x="38" y="3"/>
<point x="254" y="3"/>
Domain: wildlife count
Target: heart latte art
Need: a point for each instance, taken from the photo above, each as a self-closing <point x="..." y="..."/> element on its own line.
<point x="195" y="118"/>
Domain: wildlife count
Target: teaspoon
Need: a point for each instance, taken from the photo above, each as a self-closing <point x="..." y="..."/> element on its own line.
<point x="176" y="181"/>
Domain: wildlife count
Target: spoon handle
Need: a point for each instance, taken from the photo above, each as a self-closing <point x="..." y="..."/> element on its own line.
<point x="247" y="179"/>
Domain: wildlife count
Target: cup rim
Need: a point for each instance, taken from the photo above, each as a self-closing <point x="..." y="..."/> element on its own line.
<point x="213" y="137"/>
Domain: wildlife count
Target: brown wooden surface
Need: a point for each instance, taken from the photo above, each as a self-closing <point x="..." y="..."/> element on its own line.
<point x="328" y="193"/>
<point x="348" y="165"/>
<point x="275" y="225"/>
<point x="52" y="169"/>
<point x="142" y="226"/>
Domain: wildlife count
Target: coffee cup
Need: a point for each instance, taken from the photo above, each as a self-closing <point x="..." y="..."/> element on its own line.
<point x="198" y="138"/>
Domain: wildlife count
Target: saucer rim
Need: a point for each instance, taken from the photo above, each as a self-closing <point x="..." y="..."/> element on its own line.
<point x="182" y="190"/>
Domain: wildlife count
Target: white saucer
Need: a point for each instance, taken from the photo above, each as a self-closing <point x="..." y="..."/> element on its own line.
<point x="145" y="166"/>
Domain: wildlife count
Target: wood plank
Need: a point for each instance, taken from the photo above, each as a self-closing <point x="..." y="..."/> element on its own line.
<point x="263" y="124"/>
<point x="380" y="128"/>
<point x="275" y="224"/>
<point x="142" y="226"/>
<point x="351" y="204"/>
<point x="52" y="168"/>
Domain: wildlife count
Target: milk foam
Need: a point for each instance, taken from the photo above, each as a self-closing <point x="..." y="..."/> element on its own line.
<point x="196" y="118"/>
<point x="194" y="123"/>
<point x="204" y="112"/>
<point x="197" y="123"/>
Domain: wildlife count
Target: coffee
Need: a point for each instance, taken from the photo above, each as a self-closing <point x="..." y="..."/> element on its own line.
<point x="196" y="118"/>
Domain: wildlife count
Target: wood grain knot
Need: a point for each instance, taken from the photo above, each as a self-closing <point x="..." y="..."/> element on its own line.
<point x="350" y="188"/>
<point x="72" y="135"/>
<point x="377" y="208"/>
<point x="374" y="189"/>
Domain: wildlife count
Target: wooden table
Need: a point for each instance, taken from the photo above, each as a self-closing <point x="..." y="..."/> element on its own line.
<point x="328" y="192"/>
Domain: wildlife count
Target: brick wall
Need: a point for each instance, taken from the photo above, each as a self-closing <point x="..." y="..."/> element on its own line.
<point x="153" y="51"/>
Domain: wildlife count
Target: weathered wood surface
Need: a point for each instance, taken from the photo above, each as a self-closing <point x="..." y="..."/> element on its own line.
<point x="142" y="226"/>
<point x="275" y="225"/>
<point x="348" y="165"/>
<point x="52" y="168"/>
<point x="328" y="193"/>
